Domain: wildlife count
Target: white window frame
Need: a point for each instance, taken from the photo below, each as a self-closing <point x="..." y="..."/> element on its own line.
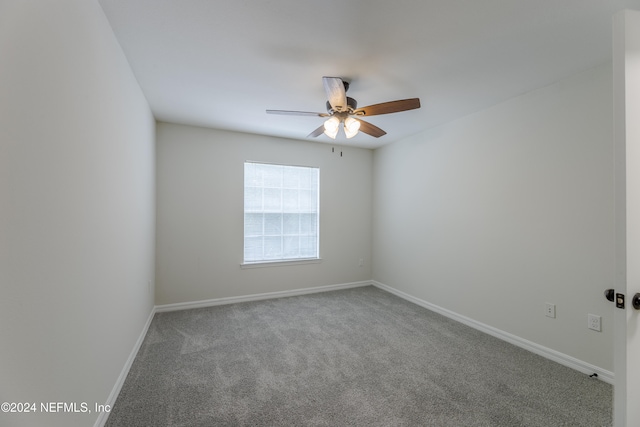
<point x="265" y="219"/>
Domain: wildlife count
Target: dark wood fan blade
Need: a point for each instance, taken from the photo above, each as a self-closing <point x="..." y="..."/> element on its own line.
<point x="389" y="107"/>
<point x="336" y="94"/>
<point x="297" y="113"/>
<point x="370" y="129"/>
<point x="316" y="132"/>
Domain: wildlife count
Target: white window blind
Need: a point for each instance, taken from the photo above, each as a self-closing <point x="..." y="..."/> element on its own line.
<point x="281" y="206"/>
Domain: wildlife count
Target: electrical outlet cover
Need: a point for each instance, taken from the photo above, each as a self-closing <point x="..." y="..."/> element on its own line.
<point x="550" y="310"/>
<point x="593" y="322"/>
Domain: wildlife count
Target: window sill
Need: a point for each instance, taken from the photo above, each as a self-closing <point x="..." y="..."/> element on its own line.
<point x="260" y="264"/>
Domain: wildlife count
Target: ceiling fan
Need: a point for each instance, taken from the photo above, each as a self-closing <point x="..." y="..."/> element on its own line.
<point x="343" y="111"/>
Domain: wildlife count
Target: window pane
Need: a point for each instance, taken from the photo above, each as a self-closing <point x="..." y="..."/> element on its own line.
<point x="273" y="247"/>
<point x="308" y="201"/>
<point x="308" y="246"/>
<point x="253" y="248"/>
<point x="291" y="247"/>
<point x="314" y="182"/>
<point x="308" y="224"/>
<point x="252" y="199"/>
<point x="272" y="175"/>
<point x="253" y="224"/>
<point x="251" y="176"/>
<point x="292" y="177"/>
<point x="305" y="178"/>
<point x="290" y="200"/>
<point x="273" y="199"/>
<point x="291" y="224"/>
<point x="272" y="224"/>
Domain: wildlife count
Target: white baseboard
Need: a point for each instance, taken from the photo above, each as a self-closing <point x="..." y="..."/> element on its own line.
<point x="111" y="400"/>
<point x="556" y="356"/>
<point x="257" y="297"/>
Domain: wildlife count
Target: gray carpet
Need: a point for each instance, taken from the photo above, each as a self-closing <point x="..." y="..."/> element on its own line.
<point x="356" y="357"/>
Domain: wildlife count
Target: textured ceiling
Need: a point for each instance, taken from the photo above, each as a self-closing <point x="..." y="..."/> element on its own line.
<point x="222" y="63"/>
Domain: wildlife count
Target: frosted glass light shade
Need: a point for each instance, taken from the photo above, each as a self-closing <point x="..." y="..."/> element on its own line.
<point x="331" y="127"/>
<point x="351" y="127"/>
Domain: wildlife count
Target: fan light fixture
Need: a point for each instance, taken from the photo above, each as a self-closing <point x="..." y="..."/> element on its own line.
<point x="331" y="127"/>
<point x="351" y="127"/>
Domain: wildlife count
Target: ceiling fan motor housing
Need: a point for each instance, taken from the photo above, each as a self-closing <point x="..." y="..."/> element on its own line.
<point x="352" y="104"/>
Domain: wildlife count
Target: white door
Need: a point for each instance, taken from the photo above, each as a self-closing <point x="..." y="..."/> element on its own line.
<point x="626" y="70"/>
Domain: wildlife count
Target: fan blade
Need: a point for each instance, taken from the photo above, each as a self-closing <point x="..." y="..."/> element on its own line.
<point x="370" y="129"/>
<point x="389" y="107"/>
<point x="297" y="113"/>
<point x="336" y="94"/>
<point x="316" y="132"/>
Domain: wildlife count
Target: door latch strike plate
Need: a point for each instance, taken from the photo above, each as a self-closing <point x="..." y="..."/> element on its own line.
<point x="620" y="300"/>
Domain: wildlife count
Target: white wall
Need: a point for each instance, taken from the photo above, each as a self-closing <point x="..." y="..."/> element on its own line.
<point x="200" y="179"/>
<point x="494" y="214"/>
<point x="76" y="208"/>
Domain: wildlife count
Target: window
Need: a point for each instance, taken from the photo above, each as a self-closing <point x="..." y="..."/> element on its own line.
<point x="280" y="212"/>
